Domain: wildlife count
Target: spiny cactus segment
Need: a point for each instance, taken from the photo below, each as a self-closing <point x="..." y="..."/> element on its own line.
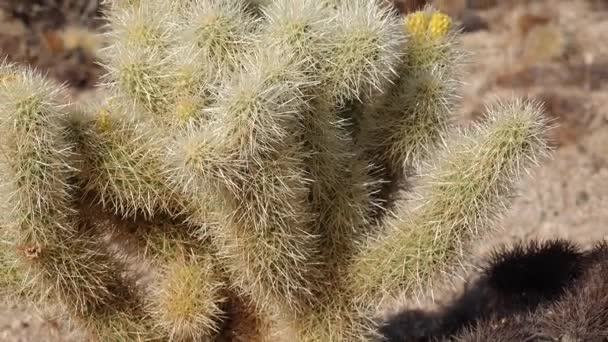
<point x="252" y="155"/>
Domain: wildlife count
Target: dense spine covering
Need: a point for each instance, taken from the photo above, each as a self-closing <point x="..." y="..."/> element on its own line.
<point x="341" y="190"/>
<point x="220" y="30"/>
<point x="358" y="57"/>
<point x="362" y="50"/>
<point x="401" y="128"/>
<point x="188" y="292"/>
<point x="123" y="161"/>
<point x="265" y="240"/>
<point x="137" y="60"/>
<point x="459" y="196"/>
<point x="57" y="261"/>
<point x="267" y="136"/>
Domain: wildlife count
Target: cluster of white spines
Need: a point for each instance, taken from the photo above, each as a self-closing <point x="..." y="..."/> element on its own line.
<point x="270" y="134"/>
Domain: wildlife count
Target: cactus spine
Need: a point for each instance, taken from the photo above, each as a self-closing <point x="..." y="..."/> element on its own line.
<point x="57" y="260"/>
<point x="459" y="195"/>
<point x="188" y="292"/>
<point x="257" y="147"/>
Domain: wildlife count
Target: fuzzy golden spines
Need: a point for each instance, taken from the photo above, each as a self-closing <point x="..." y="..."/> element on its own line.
<point x="140" y="76"/>
<point x="362" y="51"/>
<point x="340" y="188"/>
<point x="187" y="295"/>
<point x="260" y="108"/>
<point x="143" y="24"/>
<point x="52" y="252"/>
<point x="298" y="26"/>
<point x="403" y="126"/>
<point x="124" y="161"/>
<point x="35" y="154"/>
<point x="220" y="30"/>
<point x="258" y="175"/>
<point x="79" y="274"/>
<point x="137" y="60"/>
<point x="458" y="197"/>
<point x="332" y="321"/>
<point x="76" y="275"/>
<point x="189" y="301"/>
<point x="255" y="116"/>
<point x="126" y="321"/>
<point x="264" y="137"/>
<point x="160" y="49"/>
<point x="351" y="48"/>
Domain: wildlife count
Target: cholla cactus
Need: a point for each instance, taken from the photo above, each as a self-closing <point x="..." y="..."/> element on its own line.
<point x="259" y="149"/>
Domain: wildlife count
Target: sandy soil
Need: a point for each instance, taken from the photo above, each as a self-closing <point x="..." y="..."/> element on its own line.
<point x="567" y="195"/>
<point x="551" y="50"/>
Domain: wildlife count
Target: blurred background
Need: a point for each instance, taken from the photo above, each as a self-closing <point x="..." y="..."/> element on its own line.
<point x="551" y="50"/>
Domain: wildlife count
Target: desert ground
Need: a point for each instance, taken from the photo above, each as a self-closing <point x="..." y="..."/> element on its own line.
<point x="550" y="50"/>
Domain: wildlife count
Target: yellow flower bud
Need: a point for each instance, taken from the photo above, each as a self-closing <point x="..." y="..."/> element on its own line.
<point x="439" y="25"/>
<point x="416" y="24"/>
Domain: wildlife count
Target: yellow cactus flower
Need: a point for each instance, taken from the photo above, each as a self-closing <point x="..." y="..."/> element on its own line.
<point x="416" y="24"/>
<point x="439" y="25"/>
<point x="423" y="24"/>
